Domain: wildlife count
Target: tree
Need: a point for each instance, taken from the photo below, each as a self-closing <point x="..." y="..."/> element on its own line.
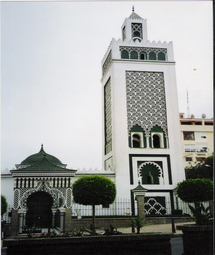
<point x="196" y="191"/>
<point x="200" y="170"/>
<point x="94" y="190"/>
<point x="3" y="205"/>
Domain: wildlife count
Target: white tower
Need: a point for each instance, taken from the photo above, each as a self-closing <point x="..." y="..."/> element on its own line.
<point x="141" y="117"/>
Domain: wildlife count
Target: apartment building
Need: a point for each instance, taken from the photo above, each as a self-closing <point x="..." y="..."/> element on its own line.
<point x="197" y="138"/>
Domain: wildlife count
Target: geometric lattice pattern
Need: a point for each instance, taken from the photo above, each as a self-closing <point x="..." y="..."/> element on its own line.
<point x="136" y="30"/>
<point x="146" y="103"/>
<point x="68" y="198"/>
<point x="16" y="199"/>
<point x="61" y="196"/>
<point x="108" y="121"/>
<point x="155" y="207"/>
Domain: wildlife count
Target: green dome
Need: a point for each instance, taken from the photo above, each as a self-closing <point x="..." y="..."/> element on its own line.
<point x="38" y="156"/>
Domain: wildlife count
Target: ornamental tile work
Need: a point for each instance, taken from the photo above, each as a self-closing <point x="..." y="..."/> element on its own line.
<point x="136" y="30"/>
<point x="21" y="195"/>
<point x="108" y="121"/>
<point x="146" y="103"/>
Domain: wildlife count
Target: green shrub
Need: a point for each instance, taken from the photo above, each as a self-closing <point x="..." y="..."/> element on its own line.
<point x="138" y="223"/>
<point x="195" y="190"/>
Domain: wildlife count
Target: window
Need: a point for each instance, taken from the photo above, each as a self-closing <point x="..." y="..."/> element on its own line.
<point x="189" y="136"/>
<point x="124" y="54"/>
<point x="137" y="140"/>
<point x="156" y="141"/>
<point x="202" y="148"/>
<point x="189" y="159"/>
<point x="209" y="123"/>
<point x="143" y="55"/>
<point x="190" y="148"/>
<point x="152" y="56"/>
<point x="136" y="30"/>
<point x="134" y="55"/>
<point x="161" y="56"/>
<point x="201" y="159"/>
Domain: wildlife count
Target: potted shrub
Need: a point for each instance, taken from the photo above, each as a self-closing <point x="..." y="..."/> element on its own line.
<point x="197" y="238"/>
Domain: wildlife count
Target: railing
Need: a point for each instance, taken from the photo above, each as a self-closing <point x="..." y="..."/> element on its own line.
<point x="121" y="207"/>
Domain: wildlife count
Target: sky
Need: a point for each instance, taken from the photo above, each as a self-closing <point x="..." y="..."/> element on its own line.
<point x="51" y="55"/>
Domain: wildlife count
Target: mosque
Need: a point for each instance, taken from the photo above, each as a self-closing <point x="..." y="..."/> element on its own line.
<point x="141" y="135"/>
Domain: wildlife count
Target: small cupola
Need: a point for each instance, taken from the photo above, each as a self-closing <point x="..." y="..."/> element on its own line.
<point x="134" y="28"/>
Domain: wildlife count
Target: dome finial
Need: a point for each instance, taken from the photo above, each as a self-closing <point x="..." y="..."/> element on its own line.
<point x="41" y="145"/>
<point x="132" y="8"/>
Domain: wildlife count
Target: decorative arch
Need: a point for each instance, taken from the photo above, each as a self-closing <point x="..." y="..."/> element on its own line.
<point x="137" y="137"/>
<point x="158" y="137"/>
<point x="150" y="173"/>
<point x="57" y="195"/>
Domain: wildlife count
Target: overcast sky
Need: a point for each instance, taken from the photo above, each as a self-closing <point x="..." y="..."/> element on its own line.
<point x="51" y="56"/>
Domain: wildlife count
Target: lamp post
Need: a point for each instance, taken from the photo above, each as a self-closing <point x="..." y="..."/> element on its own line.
<point x="139" y="193"/>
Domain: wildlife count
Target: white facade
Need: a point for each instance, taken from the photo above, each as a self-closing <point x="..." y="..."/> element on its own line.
<point x="140" y="90"/>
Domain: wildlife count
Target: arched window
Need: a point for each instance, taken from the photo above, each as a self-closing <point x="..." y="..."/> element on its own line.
<point x="134" y="55"/>
<point x="150" y="173"/>
<point x="124" y="54"/>
<point x="156" y="141"/>
<point x="152" y="56"/>
<point x="136" y="141"/>
<point x="158" y="138"/>
<point x="161" y="56"/>
<point x="143" y="55"/>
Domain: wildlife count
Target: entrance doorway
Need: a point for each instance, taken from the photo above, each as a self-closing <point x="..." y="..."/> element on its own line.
<point x="39" y="213"/>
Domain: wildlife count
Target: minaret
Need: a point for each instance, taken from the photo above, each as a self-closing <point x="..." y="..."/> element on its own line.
<point x="140" y="117"/>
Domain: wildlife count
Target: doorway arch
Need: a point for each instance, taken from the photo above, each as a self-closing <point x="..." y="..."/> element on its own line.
<point x="39" y="213"/>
